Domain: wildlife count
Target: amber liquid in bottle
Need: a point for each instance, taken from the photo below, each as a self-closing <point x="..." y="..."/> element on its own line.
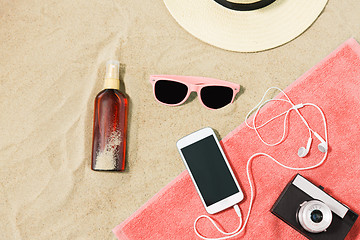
<point x="110" y="124"/>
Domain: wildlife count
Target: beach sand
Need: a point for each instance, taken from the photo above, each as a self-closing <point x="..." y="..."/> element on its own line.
<point x="52" y="65"/>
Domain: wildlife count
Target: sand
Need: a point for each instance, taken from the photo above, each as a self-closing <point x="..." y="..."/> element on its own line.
<point x="106" y="159"/>
<point x="52" y="63"/>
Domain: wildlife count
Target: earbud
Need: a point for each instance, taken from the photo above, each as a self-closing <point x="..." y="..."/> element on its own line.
<point x="302" y="152"/>
<point x="323" y="147"/>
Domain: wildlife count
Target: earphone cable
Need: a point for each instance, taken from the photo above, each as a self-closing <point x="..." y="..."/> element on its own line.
<point x="262" y="103"/>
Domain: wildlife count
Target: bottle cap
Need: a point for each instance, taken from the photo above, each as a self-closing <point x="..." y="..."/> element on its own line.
<point x="112" y="69"/>
<point x="112" y="75"/>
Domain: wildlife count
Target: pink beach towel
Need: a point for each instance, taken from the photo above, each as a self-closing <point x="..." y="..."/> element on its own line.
<point x="334" y="85"/>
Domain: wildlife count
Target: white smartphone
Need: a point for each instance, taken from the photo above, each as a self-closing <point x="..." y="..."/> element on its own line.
<point x="210" y="171"/>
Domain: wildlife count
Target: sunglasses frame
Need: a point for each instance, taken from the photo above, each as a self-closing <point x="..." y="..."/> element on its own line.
<point x="194" y="84"/>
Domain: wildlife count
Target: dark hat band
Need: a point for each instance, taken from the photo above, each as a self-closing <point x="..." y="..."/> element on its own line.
<point x="244" y="6"/>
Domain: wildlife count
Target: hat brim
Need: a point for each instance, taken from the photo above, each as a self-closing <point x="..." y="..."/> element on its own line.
<point x="245" y="31"/>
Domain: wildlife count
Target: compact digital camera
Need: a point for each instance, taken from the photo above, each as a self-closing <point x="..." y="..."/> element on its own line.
<point x="313" y="212"/>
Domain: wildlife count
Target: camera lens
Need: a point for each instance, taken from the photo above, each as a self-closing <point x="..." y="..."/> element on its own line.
<point x="316" y="216"/>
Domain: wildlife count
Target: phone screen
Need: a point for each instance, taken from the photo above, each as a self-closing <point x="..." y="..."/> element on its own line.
<point x="209" y="170"/>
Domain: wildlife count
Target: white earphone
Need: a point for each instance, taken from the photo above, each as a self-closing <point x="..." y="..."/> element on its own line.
<point x="323" y="147"/>
<point x="302" y="152"/>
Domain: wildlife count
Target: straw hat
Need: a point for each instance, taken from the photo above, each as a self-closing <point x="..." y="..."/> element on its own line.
<point x="245" y="25"/>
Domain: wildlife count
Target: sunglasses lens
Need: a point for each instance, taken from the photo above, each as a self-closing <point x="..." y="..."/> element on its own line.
<point x="170" y="92"/>
<point x="216" y="96"/>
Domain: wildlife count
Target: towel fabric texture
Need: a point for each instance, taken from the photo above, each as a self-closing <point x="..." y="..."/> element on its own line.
<point x="333" y="85"/>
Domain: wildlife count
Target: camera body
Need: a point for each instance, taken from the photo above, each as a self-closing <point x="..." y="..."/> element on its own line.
<point x="313" y="212"/>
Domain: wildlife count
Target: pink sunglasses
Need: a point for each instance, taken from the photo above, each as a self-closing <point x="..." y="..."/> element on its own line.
<point x="174" y="90"/>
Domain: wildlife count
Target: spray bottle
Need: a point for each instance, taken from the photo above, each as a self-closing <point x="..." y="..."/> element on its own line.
<point x="110" y="123"/>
